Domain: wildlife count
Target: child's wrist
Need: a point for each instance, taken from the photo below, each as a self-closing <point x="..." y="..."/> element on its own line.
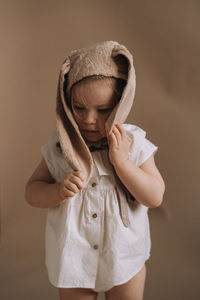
<point x="58" y="190"/>
<point x="119" y="164"/>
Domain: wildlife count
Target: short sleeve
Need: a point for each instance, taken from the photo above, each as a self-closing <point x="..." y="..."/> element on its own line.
<point x="48" y="152"/>
<point x="57" y="165"/>
<point x="141" y="148"/>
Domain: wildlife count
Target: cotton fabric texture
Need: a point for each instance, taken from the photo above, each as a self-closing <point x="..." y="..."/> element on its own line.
<point x="87" y="245"/>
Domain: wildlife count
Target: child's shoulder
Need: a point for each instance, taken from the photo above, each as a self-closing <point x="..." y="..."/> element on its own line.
<point x="134" y="130"/>
<point x="52" y="147"/>
<point x="140" y="148"/>
<point x="52" y="153"/>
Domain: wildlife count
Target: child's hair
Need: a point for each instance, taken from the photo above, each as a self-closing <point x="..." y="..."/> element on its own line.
<point x="117" y="84"/>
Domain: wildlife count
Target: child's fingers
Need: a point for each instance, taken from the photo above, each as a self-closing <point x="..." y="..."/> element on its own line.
<point x="64" y="192"/>
<point x="80" y="174"/>
<point x="117" y="133"/>
<point x="77" y="181"/>
<point x="121" y="130"/>
<point x="119" y="127"/>
<point x="71" y="186"/>
<point x="68" y="193"/>
<point x="112" y="139"/>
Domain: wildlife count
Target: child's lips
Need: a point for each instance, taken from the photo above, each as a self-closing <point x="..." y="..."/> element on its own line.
<point x="90" y="132"/>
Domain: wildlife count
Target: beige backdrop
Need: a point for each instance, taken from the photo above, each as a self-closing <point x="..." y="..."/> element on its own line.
<point x="164" y="38"/>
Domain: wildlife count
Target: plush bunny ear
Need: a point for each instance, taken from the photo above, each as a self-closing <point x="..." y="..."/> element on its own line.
<point x="124" y="61"/>
<point x="74" y="149"/>
<point x="108" y="59"/>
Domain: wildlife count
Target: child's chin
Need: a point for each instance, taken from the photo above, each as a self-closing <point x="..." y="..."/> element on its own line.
<point x="93" y="138"/>
<point x="90" y="139"/>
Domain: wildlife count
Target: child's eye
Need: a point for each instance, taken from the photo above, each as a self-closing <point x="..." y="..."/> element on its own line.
<point x="104" y="110"/>
<point x="78" y="107"/>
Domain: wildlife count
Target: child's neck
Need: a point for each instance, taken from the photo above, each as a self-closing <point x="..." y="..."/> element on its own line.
<point x="97" y="145"/>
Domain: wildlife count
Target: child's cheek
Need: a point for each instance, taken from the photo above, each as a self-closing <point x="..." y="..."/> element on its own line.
<point x="101" y="126"/>
<point x="77" y="117"/>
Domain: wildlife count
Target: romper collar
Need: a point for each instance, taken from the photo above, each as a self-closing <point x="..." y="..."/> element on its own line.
<point x="100" y="159"/>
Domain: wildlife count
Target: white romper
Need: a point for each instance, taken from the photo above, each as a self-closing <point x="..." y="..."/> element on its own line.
<point x="87" y="244"/>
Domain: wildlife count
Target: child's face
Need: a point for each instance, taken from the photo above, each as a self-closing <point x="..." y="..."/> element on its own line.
<point x="92" y="103"/>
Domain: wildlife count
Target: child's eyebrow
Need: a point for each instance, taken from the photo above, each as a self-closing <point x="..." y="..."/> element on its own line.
<point x="78" y="103"/>
<point x="97" y="106"/>
<point x="104" y="105"/>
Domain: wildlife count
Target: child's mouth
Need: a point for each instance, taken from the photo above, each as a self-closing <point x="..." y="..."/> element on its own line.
<point x="90" y="131"/>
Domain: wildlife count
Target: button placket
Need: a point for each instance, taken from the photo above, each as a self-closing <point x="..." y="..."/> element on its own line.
<point x="94" y="212"/>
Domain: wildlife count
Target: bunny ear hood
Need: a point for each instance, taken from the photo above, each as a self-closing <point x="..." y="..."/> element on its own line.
<point x="108" y="59"/>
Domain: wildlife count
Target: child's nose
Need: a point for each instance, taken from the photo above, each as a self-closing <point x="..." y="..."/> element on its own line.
<point x="90" y="117"/>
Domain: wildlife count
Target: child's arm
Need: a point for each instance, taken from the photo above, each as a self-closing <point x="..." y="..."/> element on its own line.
<point x="42" y="190"/>
<point x="145" y="182"/>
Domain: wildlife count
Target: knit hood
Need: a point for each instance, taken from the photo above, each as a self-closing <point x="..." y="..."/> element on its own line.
<point x="109" y="59"/>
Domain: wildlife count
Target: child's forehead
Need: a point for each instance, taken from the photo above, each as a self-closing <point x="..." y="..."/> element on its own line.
<point x="93" y="92"/>
<point x="95" y="82"/>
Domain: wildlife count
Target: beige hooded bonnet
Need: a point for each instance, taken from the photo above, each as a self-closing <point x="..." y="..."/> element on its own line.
<point x="109" y="59"/>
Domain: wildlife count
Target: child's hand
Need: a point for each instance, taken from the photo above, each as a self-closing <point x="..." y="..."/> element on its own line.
<point x="71" y="185"/>
<point x="119" y="144"/>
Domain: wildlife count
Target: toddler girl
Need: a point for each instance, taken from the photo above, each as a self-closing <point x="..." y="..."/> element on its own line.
<point x="97" y="178"/>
